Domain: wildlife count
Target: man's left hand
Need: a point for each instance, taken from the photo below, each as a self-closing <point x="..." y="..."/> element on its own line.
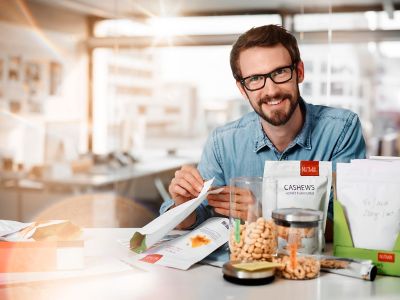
<point x="242" y="200"/>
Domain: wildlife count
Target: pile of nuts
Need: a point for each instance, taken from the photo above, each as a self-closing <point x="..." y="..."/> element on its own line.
<point x="334" y="264"/>
<point x="257" y="241"/>
<point x="306" y="267"/>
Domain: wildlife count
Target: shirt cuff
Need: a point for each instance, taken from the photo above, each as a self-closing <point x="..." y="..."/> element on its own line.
<point x="167" y="204"/>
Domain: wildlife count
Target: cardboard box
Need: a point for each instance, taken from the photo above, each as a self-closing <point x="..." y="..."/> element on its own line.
<point x="33" y="256"/>
<point x="387" y="262"/>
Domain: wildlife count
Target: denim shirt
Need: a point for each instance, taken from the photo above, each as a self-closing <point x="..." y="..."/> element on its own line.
<point x="240" y="148"/>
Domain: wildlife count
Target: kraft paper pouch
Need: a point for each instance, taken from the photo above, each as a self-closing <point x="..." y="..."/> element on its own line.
<point x="302" y="184"/>
<point x="190" y="248"/>
<point x="369" y="194"/>
<point x="150" y="234"/>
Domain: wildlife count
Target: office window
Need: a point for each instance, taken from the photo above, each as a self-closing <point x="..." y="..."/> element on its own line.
<point x="169" y="26"/>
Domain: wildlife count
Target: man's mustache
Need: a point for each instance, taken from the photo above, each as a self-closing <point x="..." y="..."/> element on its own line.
<point x="279" y="97"/>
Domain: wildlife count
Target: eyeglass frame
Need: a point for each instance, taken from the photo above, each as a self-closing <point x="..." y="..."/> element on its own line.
<point x="268" y="75"/>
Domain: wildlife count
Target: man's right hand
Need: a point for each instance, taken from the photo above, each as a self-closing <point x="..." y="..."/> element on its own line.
<point x="186" y="185"/>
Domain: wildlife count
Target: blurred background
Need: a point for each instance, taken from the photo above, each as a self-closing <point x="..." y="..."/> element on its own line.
<point x="101" y="101"/>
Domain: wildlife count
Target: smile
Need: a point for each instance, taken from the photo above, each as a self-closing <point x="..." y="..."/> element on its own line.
<point x="275" y="102"/>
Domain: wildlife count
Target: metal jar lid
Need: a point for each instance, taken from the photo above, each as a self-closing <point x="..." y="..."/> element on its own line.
<point x="297" y="215"/>
<point x="244" y="277"/>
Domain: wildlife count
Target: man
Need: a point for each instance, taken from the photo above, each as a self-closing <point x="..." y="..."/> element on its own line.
<point x="267" y="67"/>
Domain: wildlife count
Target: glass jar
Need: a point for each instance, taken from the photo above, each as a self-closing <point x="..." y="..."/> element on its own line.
<point x="299" y="234"/>
<point x="252" y="231"/>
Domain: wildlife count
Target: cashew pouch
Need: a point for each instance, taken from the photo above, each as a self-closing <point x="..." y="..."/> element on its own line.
<point x="302" y="184"/>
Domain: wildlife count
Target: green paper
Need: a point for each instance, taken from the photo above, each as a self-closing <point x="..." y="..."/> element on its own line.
<point x="341" y="232"/>
<point x="343" y="246"/>
<point x="237" y="230"/>
<point x="138" y="243"/>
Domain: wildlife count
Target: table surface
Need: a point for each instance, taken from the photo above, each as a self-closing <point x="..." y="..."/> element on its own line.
<point x="116" y="274"/>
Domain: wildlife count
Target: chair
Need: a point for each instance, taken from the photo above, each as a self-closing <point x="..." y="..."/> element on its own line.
<point x="99" y="210"/>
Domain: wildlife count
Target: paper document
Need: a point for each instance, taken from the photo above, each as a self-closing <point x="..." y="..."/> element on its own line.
<point x="190" y="248"/>
<point x="147" y="236"/>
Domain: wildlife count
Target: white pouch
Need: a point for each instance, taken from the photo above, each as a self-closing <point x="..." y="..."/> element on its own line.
<point x="369" y="193"/>
<point x="190" y="248"/>
<point x="302" y="184"/>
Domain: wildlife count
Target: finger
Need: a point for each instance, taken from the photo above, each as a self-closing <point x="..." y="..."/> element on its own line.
<point x="233" y="214"/>
<point x="242" y="197"/>
<point x="219" y="197"/>
<point x="239" y="215"/>
<point x="222" y="190"/>
<point x="194" y="172"/>
<point x="240" y="191"/>
<point x="183" y="183"/>
<point x="222" y="211"/>
<point x="176" y="190"/>
<point x="190" y="178"/>
<point x="219" y="204"/>
<point x="227" y="205"/>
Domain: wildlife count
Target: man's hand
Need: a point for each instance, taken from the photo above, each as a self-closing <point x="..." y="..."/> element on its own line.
<point x="242" y="203"/>
<point x="186" y="185"/>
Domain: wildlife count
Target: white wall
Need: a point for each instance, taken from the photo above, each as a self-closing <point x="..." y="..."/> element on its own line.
<point x="43" y="37"/>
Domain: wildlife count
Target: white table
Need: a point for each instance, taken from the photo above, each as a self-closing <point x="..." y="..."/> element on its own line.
<point x="138" y="280"/>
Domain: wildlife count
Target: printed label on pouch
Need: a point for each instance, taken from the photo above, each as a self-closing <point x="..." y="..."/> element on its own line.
<point x="309" y="168"/>
<point x="386" y="257"/>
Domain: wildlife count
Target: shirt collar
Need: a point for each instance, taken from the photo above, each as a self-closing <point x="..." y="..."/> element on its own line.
<point x="303" y="139"/>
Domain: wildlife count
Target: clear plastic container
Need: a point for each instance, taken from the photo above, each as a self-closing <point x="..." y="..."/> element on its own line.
<point x="252" y="231"/>
<point x="300" y="236"/>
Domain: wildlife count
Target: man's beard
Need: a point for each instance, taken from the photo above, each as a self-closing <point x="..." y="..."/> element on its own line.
<point x="277" y="117"/>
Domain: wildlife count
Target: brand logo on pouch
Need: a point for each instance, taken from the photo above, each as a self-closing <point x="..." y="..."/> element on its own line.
<point x="386" y="257"/>
<point x="151" y="258"/>
<point x="309" y="168"/>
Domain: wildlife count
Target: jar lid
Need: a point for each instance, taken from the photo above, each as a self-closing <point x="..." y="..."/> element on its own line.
<point x="297" y="214"/>
<point x="244" y="277"/>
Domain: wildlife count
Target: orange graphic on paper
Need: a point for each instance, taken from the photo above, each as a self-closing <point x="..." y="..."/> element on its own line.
<point x="199" y="240"/>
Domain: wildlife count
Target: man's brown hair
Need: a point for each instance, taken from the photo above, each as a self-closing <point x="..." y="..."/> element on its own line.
<point x="263" y="36"/>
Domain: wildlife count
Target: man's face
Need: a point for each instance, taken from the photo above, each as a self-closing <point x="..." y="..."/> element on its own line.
<point x="275" y="103"/>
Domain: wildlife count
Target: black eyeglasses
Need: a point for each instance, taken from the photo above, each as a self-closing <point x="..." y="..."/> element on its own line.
<point x="278" y="76"/>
